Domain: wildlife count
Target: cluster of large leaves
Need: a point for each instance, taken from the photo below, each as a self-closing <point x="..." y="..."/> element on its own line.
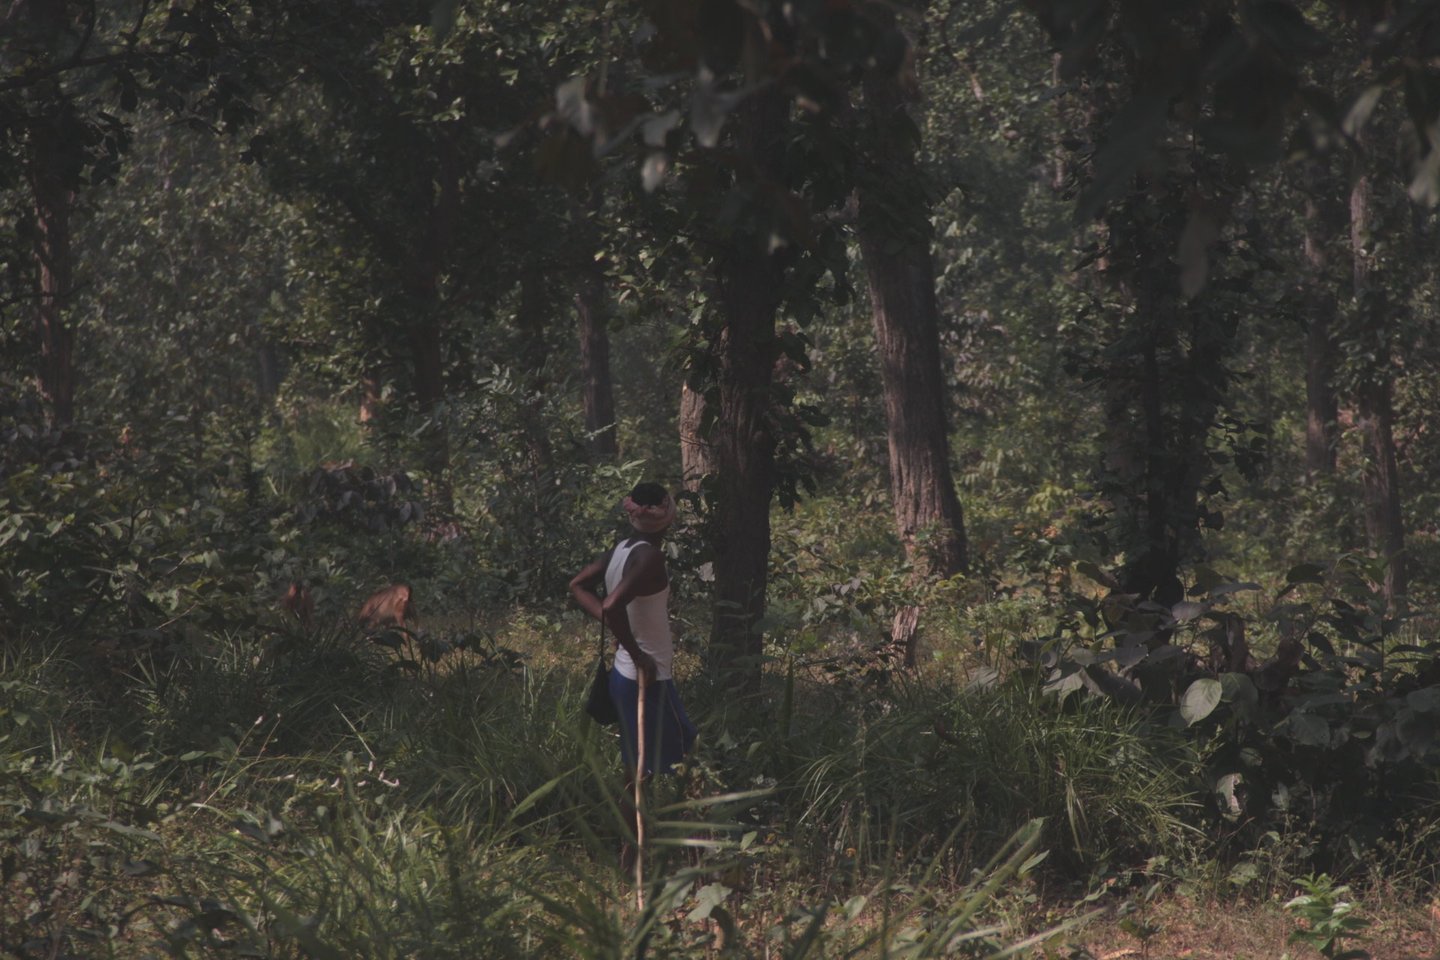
<point x="1338" y="725"/>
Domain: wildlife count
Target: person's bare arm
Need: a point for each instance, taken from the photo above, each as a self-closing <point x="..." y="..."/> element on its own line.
<point x="582" y="588"/>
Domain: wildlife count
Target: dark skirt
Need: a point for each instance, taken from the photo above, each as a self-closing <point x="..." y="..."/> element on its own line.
<point x="669" y="734"/>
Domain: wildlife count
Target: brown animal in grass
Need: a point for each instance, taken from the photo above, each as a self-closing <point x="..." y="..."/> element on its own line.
<point x="298" y="603"/>
<point x="388" y="607"/>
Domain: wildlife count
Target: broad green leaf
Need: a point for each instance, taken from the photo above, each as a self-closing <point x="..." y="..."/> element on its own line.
<point x="1200" y="700"/>
<point x="1415" y="730"/>
<point x="1093" y="572"/>
<point x="707" y="898"/>
<point x="1187" y="610"/>
<point x="1308" y="729"/>
<point x="1240" y="692"/>
<point x="1226" y="589"/>
<point x="1424" y="700"/>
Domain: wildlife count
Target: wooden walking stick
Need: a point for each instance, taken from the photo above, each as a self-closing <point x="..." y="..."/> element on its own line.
<point x="640" y="793"/>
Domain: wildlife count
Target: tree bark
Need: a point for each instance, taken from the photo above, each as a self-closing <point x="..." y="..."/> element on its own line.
<point x="530" y="316"/>
<point x="895" y="236"/>
<point x="1162" y="382"/>
<point x="922" y="486"/>
<point x="371" y="386"/>
<point x="1321" y="408"/>
<point x="697" y="453"/>
<point x="425" y="331"/>
<point x="53" y="198"/>
<point x="599" y="395"/>
<point x="423" y="335"/>
<point x="744" y="457"/>
<point x="748" y="278"/>
<point x="1384" y="525"/>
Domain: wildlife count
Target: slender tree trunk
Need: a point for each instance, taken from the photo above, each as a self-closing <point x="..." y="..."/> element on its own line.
<point x="427" y="355"/>
<point x="1383" y="520"/>
<point x="697" y="454"/>
<point x="1060" y="169"/>
<point x="425" y="341"/>
<point x="425" y="333"/>
<point x="1321" y="408"/>
<point x="1157" y="575"/>
<point x="531" y="316"/>
<point x="371" y="386"/>
<point x="52" y="202"/>
<point x="599" y="395"/>
<point x="748" y="279"/>
<point x="1160" y="398"/>
<point x="894" y="228"/>
<point x="1384" y="523"/>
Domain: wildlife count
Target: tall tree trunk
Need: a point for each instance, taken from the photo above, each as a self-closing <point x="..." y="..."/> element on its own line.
<point x="425" y="332"/>
<point x="748" y="279"/>
<point x="895" y="235"/>
<point x="424" y="337"/>
<point x="267" y="370"/>
<point x="922" y="486"/>
<point x="52" y="202"/>
<point x="531" y="315"/>
<point x="1321" y="408"/>
<point x="599" y="395"/>
<point x="744" y="455"/>
<point x="371" y="387"/>
<point x="697" y="453"/>
<point x="1384" y="525"/>
<point x="1162" y="385"/>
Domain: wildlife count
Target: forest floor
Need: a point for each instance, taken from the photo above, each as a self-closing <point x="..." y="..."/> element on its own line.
<point x="1186" y="929"/>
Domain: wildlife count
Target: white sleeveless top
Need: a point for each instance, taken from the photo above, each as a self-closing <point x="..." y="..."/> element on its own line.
<point x="649" y="618"/>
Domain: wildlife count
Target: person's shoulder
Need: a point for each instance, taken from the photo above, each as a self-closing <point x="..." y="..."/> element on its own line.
<point x="645" y="548"/>
<point x="643" y="553"/>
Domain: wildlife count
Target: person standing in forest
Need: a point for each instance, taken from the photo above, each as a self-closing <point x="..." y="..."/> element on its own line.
<point x="636" y="609"/>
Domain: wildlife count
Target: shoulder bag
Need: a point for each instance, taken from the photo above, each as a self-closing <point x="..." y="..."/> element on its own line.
<point x="597" y="701"/>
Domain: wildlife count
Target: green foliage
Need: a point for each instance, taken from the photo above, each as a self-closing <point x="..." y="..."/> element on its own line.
<point x="1340" y="712"/>
<point x="393" y="833"/>
<point x="191" y="772"/>
<point x="1107" y="787"/>
<point x="1330" y="919"/>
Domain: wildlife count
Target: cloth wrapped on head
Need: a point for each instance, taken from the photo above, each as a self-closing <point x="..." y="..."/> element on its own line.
<point x="653" y="518"/>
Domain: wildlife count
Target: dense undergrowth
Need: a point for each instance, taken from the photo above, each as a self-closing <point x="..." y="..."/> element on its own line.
<point x="283" y="795"/>
<point x="323" y="804"/>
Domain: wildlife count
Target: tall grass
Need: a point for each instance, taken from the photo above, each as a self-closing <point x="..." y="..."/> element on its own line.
<point x="1110" y="788"/>
<point x="316" y="802"/>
